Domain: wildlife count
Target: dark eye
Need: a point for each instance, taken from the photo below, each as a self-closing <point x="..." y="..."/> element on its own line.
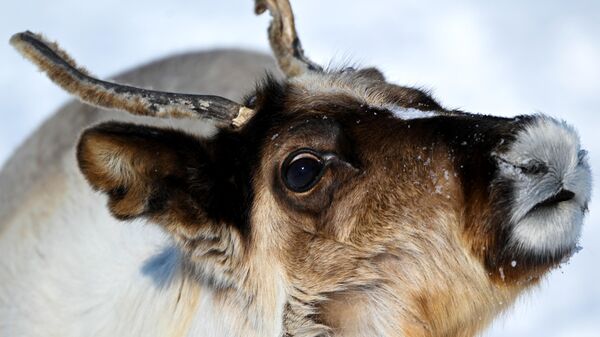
<point x="302" y="170"/>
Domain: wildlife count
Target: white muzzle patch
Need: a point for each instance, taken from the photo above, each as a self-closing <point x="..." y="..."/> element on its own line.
<point x="551" y="183"/>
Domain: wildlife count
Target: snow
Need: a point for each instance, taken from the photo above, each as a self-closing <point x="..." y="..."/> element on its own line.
<point x="502" y="58"/>
<point x="407" y="114"/>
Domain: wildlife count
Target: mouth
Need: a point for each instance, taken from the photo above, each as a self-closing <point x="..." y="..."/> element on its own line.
<point x="552" y="226"/>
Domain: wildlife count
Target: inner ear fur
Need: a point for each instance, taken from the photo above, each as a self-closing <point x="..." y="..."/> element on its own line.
<point x="165" y="175"/>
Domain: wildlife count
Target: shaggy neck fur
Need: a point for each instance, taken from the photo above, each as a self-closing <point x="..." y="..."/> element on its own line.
<point x="132" y="281"/>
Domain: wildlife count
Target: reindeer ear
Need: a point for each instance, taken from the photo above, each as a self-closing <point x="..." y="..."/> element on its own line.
<point x="165" y="175"/>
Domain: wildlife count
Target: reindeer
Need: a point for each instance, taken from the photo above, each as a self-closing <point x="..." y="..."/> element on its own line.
<point x="328" y="203"/>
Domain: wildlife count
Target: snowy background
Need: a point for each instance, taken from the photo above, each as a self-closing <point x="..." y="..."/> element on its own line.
<point x="502" y="58"/>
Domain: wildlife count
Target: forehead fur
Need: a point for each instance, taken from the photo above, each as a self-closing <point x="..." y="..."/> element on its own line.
<point x="365" y="87"/>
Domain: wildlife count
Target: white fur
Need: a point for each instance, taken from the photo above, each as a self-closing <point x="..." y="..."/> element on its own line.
<point x="77" y="271"/>
<point x="557" y="145"/>
<point x="89" y="265"/>
<point x="73" y="279"/>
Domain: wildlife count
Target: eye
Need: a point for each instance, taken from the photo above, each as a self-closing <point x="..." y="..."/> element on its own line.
<point x="302" y="170"/>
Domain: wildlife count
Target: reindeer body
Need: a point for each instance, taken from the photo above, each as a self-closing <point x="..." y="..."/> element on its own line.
<point x="53" y="229"/>
<point x="329" y="203"/>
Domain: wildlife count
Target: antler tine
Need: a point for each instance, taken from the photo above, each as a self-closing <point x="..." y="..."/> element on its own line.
<point x="62" y="70"/>
<point x="283" y="38"/>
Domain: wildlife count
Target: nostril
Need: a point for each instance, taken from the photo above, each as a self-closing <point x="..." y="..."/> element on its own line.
<point x="563" y="195"/>
<point x="534" y="167"/>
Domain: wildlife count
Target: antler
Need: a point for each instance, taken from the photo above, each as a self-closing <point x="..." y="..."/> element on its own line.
<point x="283" y="38"/>
<point x="62" y="70"/>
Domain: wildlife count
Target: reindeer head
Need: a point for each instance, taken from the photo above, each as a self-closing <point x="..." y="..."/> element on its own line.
<point x="334" y="202"/>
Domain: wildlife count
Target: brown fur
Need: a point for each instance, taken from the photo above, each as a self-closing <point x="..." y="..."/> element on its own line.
<point x="404" y="261"/>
